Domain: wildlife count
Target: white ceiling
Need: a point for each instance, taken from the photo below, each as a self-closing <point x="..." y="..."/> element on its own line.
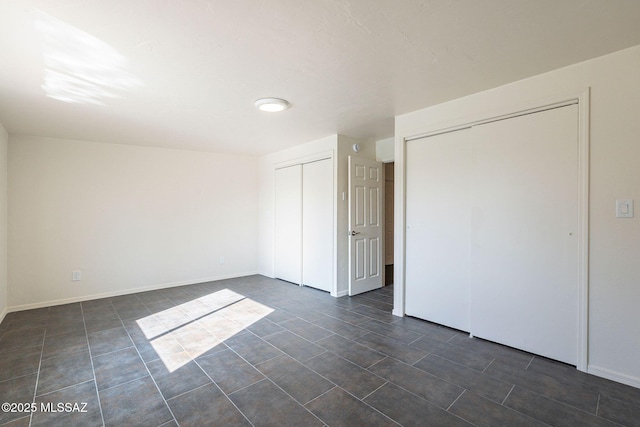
<point x="185" y="73"/>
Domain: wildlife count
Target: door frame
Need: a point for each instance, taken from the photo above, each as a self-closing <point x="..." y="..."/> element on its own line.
<point x="582" y="99"/>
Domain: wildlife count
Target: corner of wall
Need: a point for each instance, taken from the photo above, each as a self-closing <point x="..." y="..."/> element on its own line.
<point x="4" y="287"/>
<point x="385" y="150"/>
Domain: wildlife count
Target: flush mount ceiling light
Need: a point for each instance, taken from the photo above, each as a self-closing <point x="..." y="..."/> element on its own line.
<point x="271" y="105"/>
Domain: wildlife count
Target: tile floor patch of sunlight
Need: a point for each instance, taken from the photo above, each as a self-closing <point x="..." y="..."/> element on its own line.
<point x="80" y="68"/>
<point x="180" y="334"/>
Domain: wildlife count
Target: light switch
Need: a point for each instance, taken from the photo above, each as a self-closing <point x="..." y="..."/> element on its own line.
<point x="624" y="208"/>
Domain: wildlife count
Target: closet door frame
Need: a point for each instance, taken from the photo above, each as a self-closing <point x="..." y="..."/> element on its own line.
<point x="323" y="155"/>
<point x="582" y="99"/>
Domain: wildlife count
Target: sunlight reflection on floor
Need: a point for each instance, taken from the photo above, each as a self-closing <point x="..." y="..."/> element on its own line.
<point x="182" y="333"/>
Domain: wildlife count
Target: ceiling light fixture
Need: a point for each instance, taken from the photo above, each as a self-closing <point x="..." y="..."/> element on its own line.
<point x="271" y="105"/>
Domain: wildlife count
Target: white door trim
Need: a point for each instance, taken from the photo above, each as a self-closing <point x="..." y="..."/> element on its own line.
<point x="583" y="100"/>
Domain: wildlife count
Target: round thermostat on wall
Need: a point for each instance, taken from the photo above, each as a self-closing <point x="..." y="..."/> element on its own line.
<point x="356" y="148"/>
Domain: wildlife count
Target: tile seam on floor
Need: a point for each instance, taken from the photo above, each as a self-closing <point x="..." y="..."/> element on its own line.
<point x="339" y="334"/>
<point x="266" y="342"/>
<point x="274" y="383"/>
<point x="19" y="376"/>
<point x="222" y="391"/>
<point x="299" y="336"/>
<point x="385" y="383"/>
<point x="310" y="323"/>
<point x="428" y="373"/>
<point x="455" y="400"/>
<point x="562" y="404"/>
<point x="400" y="343"/>
<point x="319" y="396"/>
<point x="349" y="323"/>
<point x="266" y="378"/>
<point x="63" y="388"/>
<point x="148" y="373"/>
<point x="93" y="370"/>
<point x="375" y="363"/>
<point x="487" y="367"/>
<point x="122" y="383"/>
<point x="337" y="385"/>
<point x="421" y="359"/>
<point x="508" y="394"/>
<point x="530" y="362"/>
<point x="35" y="388"/>
<point x="111" y="352"/>
<point x="193" y="389"/>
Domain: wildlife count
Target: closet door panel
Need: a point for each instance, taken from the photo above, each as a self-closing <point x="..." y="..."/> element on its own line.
<point x="288" y="227"/>
<point x="317" y="224"/>
<point x="438" y="201"/>
<point x="524" y="259"/>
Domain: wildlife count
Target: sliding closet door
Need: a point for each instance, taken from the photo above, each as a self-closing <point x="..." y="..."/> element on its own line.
<point x="288" y="227"/>
<point x="317" y="224"/>
<point x="524" y="261"/>
<point x="438" y="202"/>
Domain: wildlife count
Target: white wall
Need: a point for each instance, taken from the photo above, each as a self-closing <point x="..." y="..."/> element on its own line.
<point x="128" y="217"/>
<point x="385" y="152"/>
<point x="4" y="140"/>
<point x="614" y="248"/>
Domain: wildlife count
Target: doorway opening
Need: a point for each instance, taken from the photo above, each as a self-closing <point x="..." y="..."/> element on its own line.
<point x="388" y="223"/>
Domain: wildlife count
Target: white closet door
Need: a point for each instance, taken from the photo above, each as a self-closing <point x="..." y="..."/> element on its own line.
<point x="288" y="227"/>
<point x="317" y="224"/>
<point x="438" y="228"/>
<point x="524" y="259"/>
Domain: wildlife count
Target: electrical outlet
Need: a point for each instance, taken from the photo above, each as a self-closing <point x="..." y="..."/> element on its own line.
<point x="624" y="208"/>
<point x="76" y="275"/>
<point x="222" y="261"/>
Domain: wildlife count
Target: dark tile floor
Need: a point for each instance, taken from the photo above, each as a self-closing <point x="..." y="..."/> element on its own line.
<point x="257" y="351"/>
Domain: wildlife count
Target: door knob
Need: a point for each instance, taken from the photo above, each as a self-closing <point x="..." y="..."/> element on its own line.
<point x="353" y="233"/>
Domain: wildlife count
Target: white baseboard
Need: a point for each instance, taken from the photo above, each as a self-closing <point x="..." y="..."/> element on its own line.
<point x="397" y="313"/>
<point x="614" y="376"/>
<point x="124" y="292"/>
<point x="342" y="293"/>
<point x="4" y="314"/>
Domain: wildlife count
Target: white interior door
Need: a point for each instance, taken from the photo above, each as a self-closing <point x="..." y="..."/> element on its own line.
<point x="524" y="256"/>
<point x="438" y="228"/>
<point x="288" y="227"/>
<point x="365" y="225"/>
<point x="317" y="224"/>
